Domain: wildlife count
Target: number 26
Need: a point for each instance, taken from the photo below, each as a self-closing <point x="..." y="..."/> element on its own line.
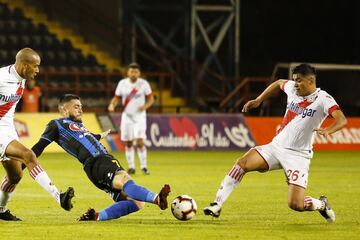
<point x="293" y="175"/>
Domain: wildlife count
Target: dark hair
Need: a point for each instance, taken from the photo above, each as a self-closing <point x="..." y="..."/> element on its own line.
<point x="304" y="69"/>
<point x="67" y="98"/>
<point x="134" y="65"/>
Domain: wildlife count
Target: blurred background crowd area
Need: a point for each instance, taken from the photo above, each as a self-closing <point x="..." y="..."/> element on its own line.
<point x="198" y="55"/>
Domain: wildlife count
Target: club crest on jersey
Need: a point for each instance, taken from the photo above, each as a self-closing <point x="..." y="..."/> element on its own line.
<point x="76" y="128"/>
<point x="304" y="112"/>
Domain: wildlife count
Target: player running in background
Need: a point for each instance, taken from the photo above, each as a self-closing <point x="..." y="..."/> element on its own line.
<point x="291" y="148"/>
<point x="102" y="169"/>
<point x="12" y="153"/>
<point x="137" y="97"/>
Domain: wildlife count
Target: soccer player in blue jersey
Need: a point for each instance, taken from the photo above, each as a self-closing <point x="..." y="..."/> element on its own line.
<point x="103" y="170"/>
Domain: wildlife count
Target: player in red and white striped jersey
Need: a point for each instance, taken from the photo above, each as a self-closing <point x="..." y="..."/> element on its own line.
<point x="12" y="153"/>
<point x="291" y="148"/>
<point x="137" y="97"/>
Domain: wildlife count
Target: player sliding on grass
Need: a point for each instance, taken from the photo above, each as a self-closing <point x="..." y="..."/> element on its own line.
<point x="102" y="169"/>
<point x="291" y="148"/>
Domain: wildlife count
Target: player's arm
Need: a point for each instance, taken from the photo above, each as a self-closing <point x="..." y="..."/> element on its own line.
<point x="101" y="135"/>
<point x="113" y="103"/>
<point x="338" y="123"/>
<point x="149" y="102"/>
<point x="39" y="147"/>
<point x="50" y="134"/>
<point x="273" y="87"/>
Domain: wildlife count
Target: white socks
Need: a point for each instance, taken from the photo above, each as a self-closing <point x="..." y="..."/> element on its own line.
<point x="231" y="180"/>
<point x="313" y="204"/>
<point x="130" y="156"/>
<point x="41" y="177"/>
<point x="6" y="191"/>
<point x="142" y="154"/>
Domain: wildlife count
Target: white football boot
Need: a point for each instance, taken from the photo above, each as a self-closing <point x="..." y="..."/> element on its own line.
<point x="213" y="210"/>
<point x="327" y="213"/>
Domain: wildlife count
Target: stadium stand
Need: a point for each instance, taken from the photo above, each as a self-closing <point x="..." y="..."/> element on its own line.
<point x="65" y="68"/>
<point x="17" y="31"/>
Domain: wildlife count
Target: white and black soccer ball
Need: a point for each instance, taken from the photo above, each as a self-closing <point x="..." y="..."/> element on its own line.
<point x="183" y="207"/>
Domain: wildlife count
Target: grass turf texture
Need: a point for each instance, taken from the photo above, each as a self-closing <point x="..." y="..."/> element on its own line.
<point x="257" y="209"/>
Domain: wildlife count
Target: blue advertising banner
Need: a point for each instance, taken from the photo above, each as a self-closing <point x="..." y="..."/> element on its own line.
<point x="196" y="132"/>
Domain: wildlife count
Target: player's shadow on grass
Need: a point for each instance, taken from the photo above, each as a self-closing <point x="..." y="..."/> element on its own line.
<point x="309" y="226"/>
<point x="198" y="222"/>
<point x="165" y="222"/>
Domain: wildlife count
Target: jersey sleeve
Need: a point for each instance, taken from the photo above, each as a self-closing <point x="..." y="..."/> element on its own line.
<point x="330" y="104"/>
<point x="39" y="147"/>
<point x="118" y="89"/>
<point x="288" y="86"/>
<point x="147" y="88"/>
<point x="51" y="132"/>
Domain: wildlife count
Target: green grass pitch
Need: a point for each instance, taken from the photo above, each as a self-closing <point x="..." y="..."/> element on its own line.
<point x="257" y="209"/>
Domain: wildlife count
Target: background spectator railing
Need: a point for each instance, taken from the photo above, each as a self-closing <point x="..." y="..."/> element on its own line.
<point x="97" y="88"/>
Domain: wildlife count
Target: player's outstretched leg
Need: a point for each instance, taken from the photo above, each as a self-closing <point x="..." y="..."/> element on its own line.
<point x="116" y="210"/>
<point x="322" y="205"/>
<point x="231" y="180"/>
<point x="66" y="197"/>
<point x="142" y="194"/>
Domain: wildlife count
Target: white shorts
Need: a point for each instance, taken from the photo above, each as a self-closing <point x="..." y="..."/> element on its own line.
<point x="296" y="164"/>
<point x="8" y="134"/>
<point x="131" y="129"/>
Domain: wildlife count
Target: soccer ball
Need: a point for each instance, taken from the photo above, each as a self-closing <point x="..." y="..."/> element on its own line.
<point x="183" y="207"/>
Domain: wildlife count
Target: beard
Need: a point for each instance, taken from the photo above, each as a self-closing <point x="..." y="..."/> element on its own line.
<point x="72" y="117"/>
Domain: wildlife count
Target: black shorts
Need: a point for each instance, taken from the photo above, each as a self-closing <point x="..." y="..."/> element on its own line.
<point x="101" y="171"/>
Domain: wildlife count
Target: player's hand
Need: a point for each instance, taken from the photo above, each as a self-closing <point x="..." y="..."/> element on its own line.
<point x="142" y="108"/>
<point x="104" y="134"/>
<point x="111" y="108"/>
<point x="322" y="132"/>
<point x="251" y="104"/>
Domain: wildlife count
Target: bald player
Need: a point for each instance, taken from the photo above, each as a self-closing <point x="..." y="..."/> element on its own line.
<point x="14" y="156"/>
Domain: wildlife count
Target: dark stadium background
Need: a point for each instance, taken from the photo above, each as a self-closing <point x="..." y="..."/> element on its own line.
<point x="271" y="32"/>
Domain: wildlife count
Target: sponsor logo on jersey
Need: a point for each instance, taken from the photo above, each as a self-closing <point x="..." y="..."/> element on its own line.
<point x="9" y="98"/>
<point x="304" y="112"/>
<point x="74" y="127"/>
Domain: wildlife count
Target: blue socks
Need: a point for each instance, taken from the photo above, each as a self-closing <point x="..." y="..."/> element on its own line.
<point x="126" y="207"/>
<point x="117" y="210"/>
<point x="138" y="193"/>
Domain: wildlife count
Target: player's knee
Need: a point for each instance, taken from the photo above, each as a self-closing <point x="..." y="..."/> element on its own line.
<point x="296" y="205"/>
<point x="139" y="143"/>
<point x="140" y="205"/>
<point x="28" y="156"/>
<point x="129" y="144"/>
<point x="242" y="163"/>
<point x="120" y="179"/>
